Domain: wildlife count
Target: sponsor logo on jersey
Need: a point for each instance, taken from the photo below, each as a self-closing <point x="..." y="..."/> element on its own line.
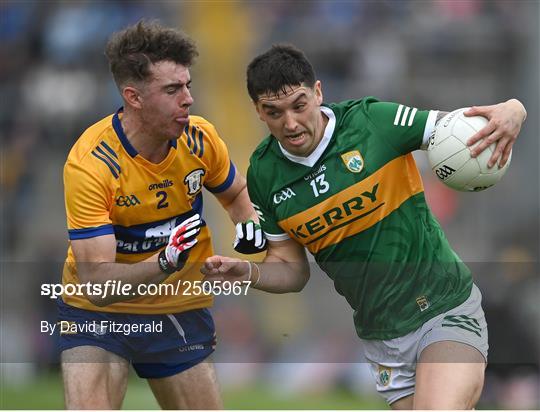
<point x="338" y="214"/>
<point x="193" y="181"/>
<point x="162" y="230"/>
<point x="423" y="303"/>
<point x="154" y="238"/>
<point x="354" y="209"/>
<point x="165" y="183"/>
<point x="283" y="195"/>
<point x="353" y="161"/>
<point x="141" y="246"/>
<point x="385" y="373"/>
<point x="127" y="201"/>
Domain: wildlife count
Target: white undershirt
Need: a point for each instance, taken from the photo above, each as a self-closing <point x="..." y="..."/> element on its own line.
<point x="321" y="147"/>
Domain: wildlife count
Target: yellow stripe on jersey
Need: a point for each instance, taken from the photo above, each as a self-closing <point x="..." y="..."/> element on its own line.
<point x="356" y="208"/>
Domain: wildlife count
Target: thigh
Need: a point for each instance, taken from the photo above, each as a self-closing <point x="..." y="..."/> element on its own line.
<point x="405" y="403"/>
<point x="194" y="388"/>
<point x="93" y="378"/>
<point x="449" y="375"/>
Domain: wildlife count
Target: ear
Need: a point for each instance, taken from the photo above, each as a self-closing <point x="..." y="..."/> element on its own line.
<point x="318" y="92"/>
<point x="132" y="97"/>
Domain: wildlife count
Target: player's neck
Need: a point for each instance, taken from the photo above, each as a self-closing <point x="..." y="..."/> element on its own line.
<point x="153" y="149"/>
<point x="320" y="133"/>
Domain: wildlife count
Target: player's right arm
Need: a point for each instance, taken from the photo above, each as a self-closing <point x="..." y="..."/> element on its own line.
<point x="89" y="192"/>
<point x="284" y="269"/>
<point x="95" y="259"/>
<point x="96" y="264"/>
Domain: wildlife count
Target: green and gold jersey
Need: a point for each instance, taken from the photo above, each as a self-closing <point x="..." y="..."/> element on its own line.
<point x="357" y="204"/>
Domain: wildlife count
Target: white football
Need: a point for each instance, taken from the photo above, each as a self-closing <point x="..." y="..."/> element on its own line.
<point x="451" y="160"/>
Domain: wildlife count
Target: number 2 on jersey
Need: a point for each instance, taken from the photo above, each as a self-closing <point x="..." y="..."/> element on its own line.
<point x="319" y="185"/>
<point x="163" y="201"/>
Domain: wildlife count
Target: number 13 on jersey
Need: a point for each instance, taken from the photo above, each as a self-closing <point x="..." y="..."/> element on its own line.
<point x="319" y="185"/>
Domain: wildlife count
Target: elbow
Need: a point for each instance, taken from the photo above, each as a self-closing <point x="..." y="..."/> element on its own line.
<point x="98" y="300"/>
<point x="299" y="286"/>
<point x="91" y="287"/>
<point x="94" y="292"/>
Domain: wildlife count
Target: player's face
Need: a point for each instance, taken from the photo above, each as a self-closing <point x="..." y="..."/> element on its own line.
<point x="294" y="118"/>
<point x="165" y="100"/>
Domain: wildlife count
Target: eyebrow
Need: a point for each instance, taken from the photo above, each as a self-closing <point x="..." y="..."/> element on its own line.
<point x="176" y="84"/>
<point x="272" y="106"/>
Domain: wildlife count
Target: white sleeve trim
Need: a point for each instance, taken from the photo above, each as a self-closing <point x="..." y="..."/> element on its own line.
<point x="277" y="238"/>
<point x="429" y="129"/>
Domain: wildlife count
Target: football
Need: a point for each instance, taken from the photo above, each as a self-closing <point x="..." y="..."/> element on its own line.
<point x="450" y="158"/>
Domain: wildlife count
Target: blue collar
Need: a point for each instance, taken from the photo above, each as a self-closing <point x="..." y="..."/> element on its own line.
<point x="117" y="126"/>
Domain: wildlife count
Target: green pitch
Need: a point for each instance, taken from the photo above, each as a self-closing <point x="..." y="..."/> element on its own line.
<point x="46" y="393"/>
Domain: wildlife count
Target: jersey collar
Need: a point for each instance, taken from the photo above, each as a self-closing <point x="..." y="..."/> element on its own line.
<point x="321" y="147"/>
<point x="117" y="126"/>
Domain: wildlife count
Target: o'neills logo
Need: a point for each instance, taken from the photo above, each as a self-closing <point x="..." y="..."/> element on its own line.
<point x="162" y="185"/>
<point x="190" y="348"/>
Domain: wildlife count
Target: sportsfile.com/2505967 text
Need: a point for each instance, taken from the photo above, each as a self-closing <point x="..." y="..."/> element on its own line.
<point x="119" y="288"/>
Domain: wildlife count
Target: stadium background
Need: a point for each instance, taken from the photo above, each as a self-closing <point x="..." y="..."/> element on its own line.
<point x="292" y="351"/>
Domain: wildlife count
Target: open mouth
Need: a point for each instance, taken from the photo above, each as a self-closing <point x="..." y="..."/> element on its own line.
<point x="296" y="138"/>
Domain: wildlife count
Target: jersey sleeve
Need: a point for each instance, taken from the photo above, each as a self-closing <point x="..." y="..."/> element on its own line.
<point x="267" y="219"/>
<point x="220" y="171"/>
<point x="88" y="201"/>
<point x="405" y="128"/>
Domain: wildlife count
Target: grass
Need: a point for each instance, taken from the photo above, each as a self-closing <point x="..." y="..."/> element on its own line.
<point x="46" y="393"/>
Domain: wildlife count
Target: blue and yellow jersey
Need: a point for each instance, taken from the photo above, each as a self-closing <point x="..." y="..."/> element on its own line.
<point x="111" y="189"/>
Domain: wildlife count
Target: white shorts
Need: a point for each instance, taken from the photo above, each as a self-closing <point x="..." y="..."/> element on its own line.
<point x="393" y="361"/>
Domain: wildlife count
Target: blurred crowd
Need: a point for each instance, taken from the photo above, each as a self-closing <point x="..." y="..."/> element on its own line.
<point x="54" y="82"/>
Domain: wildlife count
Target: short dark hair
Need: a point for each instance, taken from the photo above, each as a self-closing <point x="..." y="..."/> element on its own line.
<point x="273" y="71"/>
<point x="132" y="50"/>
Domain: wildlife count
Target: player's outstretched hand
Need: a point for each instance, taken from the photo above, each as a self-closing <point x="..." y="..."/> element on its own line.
<point x="505" y="120"/>
<point x="183" y="237"/>
<point x="222" y="268"/>
<point x="249" y="238"/>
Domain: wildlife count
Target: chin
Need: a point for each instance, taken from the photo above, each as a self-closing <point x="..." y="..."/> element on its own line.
<point x="177" y="133"/>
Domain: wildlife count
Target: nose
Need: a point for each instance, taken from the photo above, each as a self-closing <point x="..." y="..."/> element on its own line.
<point x="290" y="122"/>
<point x="186" y="99"/>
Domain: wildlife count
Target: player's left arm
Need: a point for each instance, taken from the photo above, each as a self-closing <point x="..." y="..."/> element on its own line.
<point x="505" y="121"/>
<point x="230" y="188"/>
<point x="235" y="200"/>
